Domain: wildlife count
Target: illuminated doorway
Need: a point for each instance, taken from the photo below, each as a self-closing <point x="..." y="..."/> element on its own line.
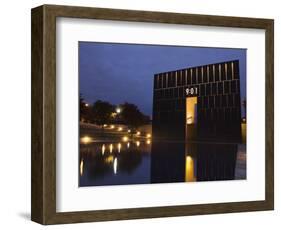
<point x="191" y="118"/>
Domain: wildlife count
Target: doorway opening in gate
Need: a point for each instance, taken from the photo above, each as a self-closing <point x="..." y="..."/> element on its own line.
<point x="191" y="118"/>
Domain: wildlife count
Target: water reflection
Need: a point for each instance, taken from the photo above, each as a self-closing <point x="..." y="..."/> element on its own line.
<point x="119" y="147"/>
<point x="117" y="163"/>
<point x="215" y="161"/>
<point x="189" y="169"/>
<point x="81" y="167"/>
<point x="103" y="149"/>
<point x="142" y="162"/>
<point x="110" y="148"/>
<point x="178" y="162"/>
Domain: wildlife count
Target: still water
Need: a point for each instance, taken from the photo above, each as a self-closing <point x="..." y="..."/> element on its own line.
<point x="144" y="162"/>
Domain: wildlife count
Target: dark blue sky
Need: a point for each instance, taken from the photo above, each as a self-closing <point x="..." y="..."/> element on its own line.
<point x="120" y="73"/>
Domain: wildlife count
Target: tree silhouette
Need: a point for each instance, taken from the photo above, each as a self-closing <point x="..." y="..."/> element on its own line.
<point x="132" y="116"/>
<point x="244" y="104"/>
<point x="101" y="112"/>
<point x="84" y="111"/>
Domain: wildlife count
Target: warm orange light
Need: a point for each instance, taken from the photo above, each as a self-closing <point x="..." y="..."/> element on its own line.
<point x="138" y="143"/>
<point x="86" y="140"/>
<point x="129" y="130"/>
<point x="110" y="148"/>
<point x="112" y="126"/>
<point x="148" y="135"/>
<point x="109" y="159"/>
<point x="81" y="167"/>
<point x="128" y="145"/>
<point x="189" y="169"/>
<point x="191" y="103"/>
<point x="103" y="149"/>
<point x="125" y="138"/>
<point x="105" y="125"/>
<point x="138" y="133"/>
<point x="148" y="142"/>
<point x="119" y="147"/>
<point x="120" y="129"/>
<point x="189" y="120"/>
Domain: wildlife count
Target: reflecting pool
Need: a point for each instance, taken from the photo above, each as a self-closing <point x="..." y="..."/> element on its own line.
<point x="145" y="162"/>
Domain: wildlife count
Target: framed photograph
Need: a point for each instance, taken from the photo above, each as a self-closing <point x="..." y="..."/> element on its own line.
<point x="140" y="114"/>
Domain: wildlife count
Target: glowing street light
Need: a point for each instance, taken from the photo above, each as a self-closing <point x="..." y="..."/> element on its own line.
<point x="112" y="126"/>
<point x="125" y="138"/>
<point x="138" y="133"/>
<point x="87" y="105"/>
<point x="86" y="140"/>
<point x="148" y="135"/>
<point x="120" y="129"/>
<point x="118" y="110"/>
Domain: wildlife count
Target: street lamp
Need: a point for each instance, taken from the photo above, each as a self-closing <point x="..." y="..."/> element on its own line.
<point x="125" y="138"/>
<point x="86" y="140"/>
<point x="118" y="110"/>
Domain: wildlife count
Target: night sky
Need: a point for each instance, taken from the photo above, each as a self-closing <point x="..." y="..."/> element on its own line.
<point x="120" y="73"/>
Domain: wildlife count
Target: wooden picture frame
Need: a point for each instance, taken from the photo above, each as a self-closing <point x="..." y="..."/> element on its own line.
<point x="43" y="207"/>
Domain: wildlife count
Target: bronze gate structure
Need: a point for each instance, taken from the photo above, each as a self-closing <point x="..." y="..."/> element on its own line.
<point x="199" y="104"/>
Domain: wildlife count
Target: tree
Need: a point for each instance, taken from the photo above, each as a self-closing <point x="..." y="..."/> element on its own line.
<point x="132" y="116"/>
<point x="101" y="112"/>
<point x="84" y="111"/>
<point x="244" y="104"/>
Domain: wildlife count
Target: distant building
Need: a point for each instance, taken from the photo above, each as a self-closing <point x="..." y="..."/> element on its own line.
<point x="200" y="103"/>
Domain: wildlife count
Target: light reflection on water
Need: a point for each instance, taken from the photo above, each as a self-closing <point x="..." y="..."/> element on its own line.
<point x="144" y="162"/>
<point x="114" y="163"/>
<point x="103" y="149"/>
<point x="81" y="167"/>
<point x="189" y="169"/>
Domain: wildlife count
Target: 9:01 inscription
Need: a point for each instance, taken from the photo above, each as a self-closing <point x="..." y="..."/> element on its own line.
<point x="191" y="91"/>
